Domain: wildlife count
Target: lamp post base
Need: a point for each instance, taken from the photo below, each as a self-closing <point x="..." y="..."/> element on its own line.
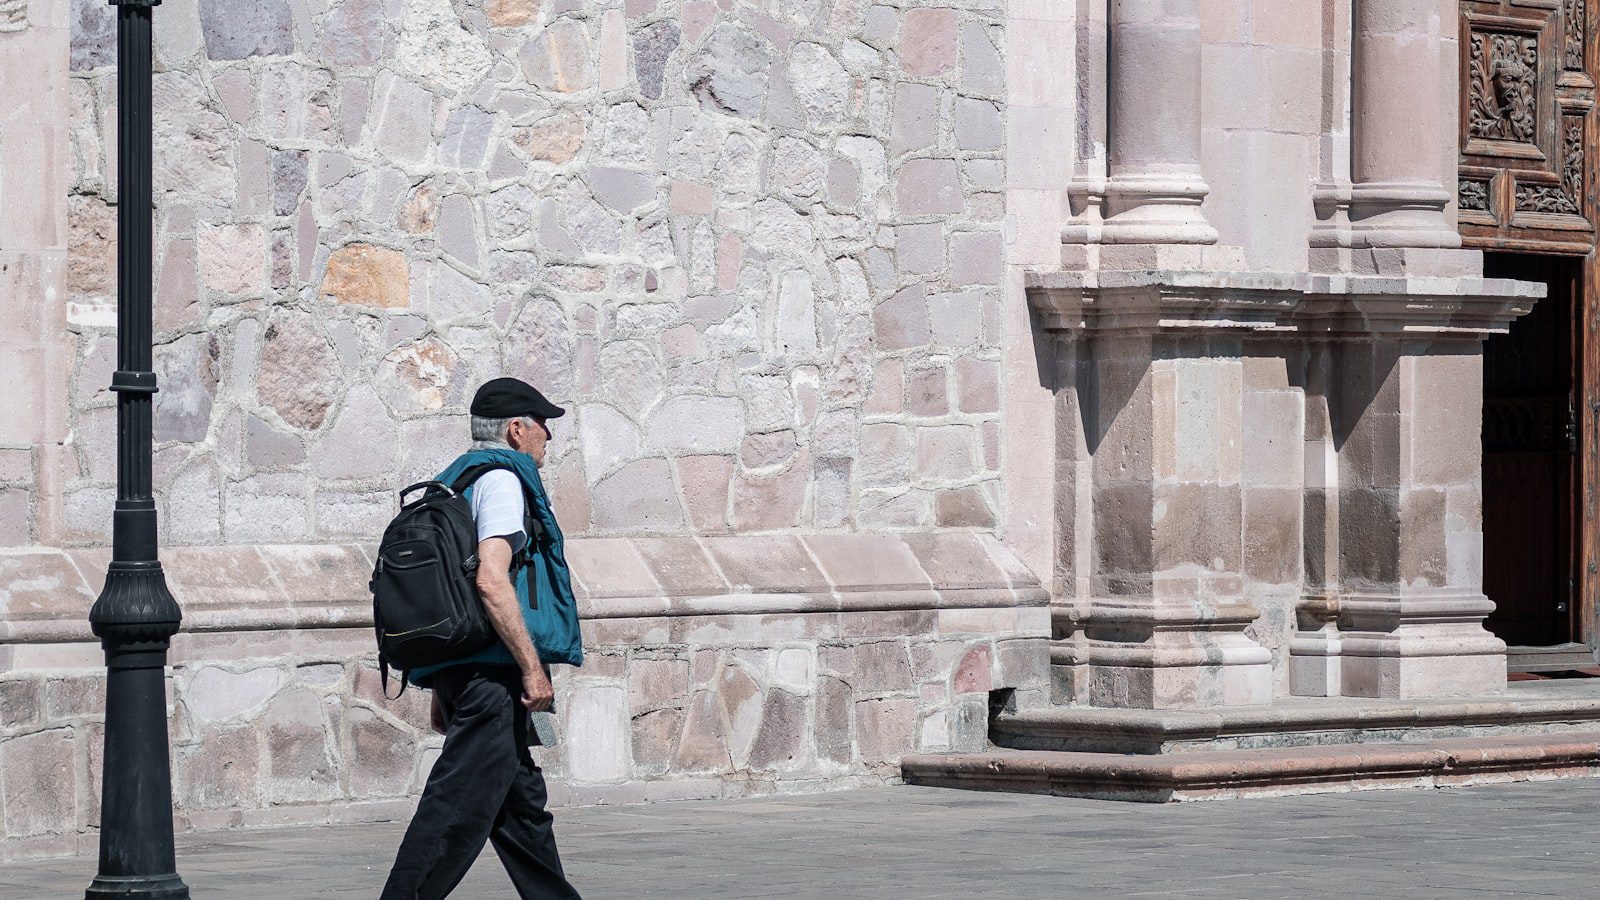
<point x="143" y="887"/>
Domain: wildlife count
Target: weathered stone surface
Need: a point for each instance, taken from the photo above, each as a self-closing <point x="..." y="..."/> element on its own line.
<point x="19" y="698"/>
<point x="354" y="33"/>
<point x="233" y="258"/>
<point x="731" y="72"/>
<point x="928" y="41"/>
<point x="928" y="187"/>
<point x="885" y="730"/>
<point x="421" y="376"/>
<point x="36" y="776"/>
<point x="597" y="731"/>
<point x="299" y="376"/>
<point x="638" y="497"/>
<point x="742" y="702"/>
<point x="511" y="13"/>
<point x="236" y="29"/>
<point x="221" y="771"/>
<point x="301" y="761"/>
<point x="696" y="424"/>
<point x="561" y="58"/>
<point x="380" y="758"/>
<point x="368" y="275"/>
<point x="782" y="743"/>
<point x="91" y="247"/>
<point x="540" y="347"/>
<point x="652" y="47"/>
<point x="94" y="35"/>
<point x="655" y="734"/>
<point x="420" y="212"/>
<point x="901" y="322"/>
<point x="703" y="746"/>
<point x="622" y="189"/>
<point x="466" y="138"/>
<point x="187" y="373"/>
<point x="555" y="139"/>
<point x="216" y="694"/>
<point x="436" y="47"/>
<point x="361" y="442"/>
<point x="607" y="437"/>
<point x="820" y="83"/>
<point x="291" y="173"/>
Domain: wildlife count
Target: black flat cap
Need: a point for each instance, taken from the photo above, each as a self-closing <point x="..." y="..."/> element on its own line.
<point x="508" y="398"/>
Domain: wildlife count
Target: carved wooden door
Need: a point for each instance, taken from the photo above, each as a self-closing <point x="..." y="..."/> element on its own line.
<point x="1527" y="188"/>
<point x="1527" y="103"/>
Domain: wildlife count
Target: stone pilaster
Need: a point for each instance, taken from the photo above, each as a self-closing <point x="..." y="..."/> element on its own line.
<point x="1165" y="625"/>
<point x="1411" y="603"/>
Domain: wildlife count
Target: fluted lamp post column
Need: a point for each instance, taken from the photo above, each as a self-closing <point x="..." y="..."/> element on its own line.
<point x="135" y="616"/>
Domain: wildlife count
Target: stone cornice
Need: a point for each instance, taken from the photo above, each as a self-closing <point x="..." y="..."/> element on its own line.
<point x="1283" y="304"/>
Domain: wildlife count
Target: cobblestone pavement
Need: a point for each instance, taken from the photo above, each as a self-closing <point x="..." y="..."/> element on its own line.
<point x="906" y="842"/>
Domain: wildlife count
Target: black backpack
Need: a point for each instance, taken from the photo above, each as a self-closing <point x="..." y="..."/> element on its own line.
<point x="425" y="604"/>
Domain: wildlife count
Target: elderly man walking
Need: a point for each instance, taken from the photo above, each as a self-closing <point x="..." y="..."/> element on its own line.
<point x="485" y="784"/>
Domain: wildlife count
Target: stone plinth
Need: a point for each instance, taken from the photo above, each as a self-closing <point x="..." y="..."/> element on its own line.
<point x="1377" y="525"/>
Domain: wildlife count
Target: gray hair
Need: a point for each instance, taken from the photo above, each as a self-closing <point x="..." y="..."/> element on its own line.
<point x="494" y="430"/>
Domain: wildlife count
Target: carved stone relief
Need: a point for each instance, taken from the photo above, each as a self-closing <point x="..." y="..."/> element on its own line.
<point x="1501" y="103"/>
<point x="1577" y="14"/>
<point x="13" y="15"/>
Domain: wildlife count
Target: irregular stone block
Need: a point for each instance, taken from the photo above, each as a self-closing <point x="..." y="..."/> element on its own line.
<point x="561" y="58"/>
<point x="732" y="71"/>
<point x="368" y="275"/>
<point x="596" y="729"/>
<point x="652" y="47"/>
<point x="638" y="496"/>
<point x="238" y="29"/>
<point x="38" y="780"/>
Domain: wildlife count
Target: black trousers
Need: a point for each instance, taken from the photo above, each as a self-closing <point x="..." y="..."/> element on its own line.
<point x="484" y="786"/>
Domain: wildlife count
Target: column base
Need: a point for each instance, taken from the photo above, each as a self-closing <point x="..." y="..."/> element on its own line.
<point x="1161" y="208"/>
<point x="1160" y="656"/>
<point x="1419" y="645"/>
<point x="1400" y="214"/>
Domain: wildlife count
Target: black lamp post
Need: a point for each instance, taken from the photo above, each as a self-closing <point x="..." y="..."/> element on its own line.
<point x="135" y="616"/>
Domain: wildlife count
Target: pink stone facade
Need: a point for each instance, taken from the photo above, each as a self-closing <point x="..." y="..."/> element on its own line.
<point x="920" y="355"/>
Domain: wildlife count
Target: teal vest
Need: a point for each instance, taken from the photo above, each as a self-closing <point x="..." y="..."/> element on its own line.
<point x="544" y="585"/>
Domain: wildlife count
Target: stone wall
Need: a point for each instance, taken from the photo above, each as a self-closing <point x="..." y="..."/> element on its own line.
<point x="716" y="667"/>
<point x="755" y="247"/>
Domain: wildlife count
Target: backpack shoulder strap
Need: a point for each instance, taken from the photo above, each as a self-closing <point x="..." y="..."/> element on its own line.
<point x="531" y="526"/>
<point x="471" y="474"/>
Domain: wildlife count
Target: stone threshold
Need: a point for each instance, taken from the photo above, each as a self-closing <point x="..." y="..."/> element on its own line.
<point x="1546" y="707"/>
<point x="1228" y="774"/>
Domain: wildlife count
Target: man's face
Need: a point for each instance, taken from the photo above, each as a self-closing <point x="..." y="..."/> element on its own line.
<point x="529" y="439"/>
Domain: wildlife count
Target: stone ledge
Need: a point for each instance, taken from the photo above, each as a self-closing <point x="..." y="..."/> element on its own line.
<point x="1145" y="302"/>
<point x="1542" y="706"/>
<point x="1215" y="775"/>
<point x="45" y="593"/>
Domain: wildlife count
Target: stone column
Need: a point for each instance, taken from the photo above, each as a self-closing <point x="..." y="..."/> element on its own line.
<point x="1163" y="623"/>
<point x="1154" y="185"/>
<point x="1406" y="419"/>
<point x="1398" y="195"/>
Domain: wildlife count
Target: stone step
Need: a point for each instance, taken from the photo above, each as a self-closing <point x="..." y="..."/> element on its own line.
<point x="1538" y="707"/>
<point x="1225" y="774"/>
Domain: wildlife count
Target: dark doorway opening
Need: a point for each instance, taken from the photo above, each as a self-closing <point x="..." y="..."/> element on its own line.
<point x="1531" y="524"/>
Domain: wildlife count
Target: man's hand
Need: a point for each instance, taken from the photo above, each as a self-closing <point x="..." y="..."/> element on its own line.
<point x="537" y="692"/>
<point x="436" y="716"/>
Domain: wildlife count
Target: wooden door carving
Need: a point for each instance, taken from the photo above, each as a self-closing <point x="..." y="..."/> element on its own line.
<point x="1527" y="134"/>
